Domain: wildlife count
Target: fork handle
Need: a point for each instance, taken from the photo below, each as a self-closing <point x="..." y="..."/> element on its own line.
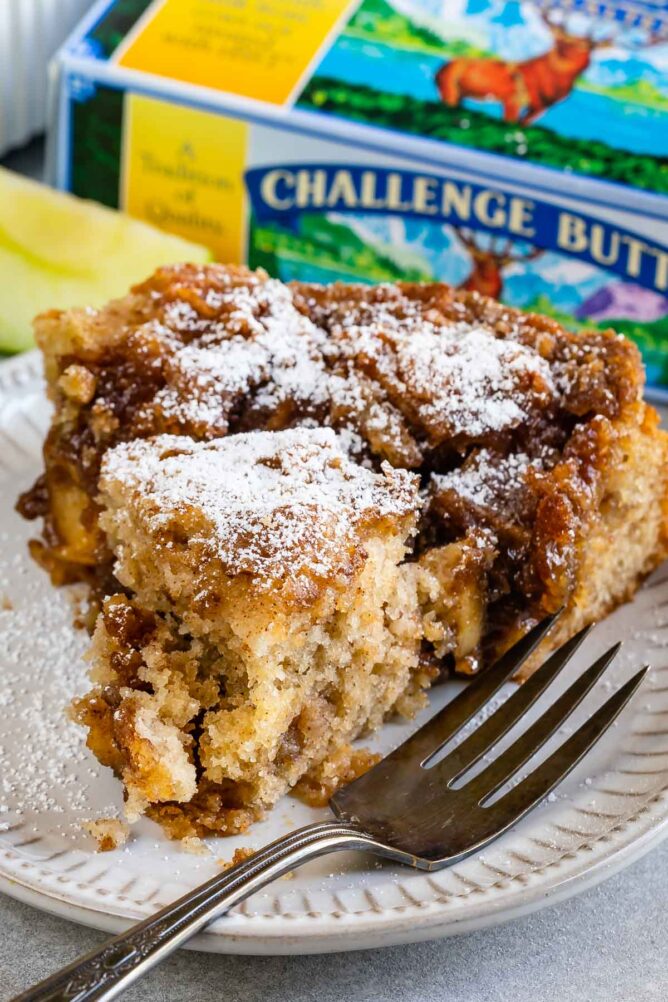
<point x="110" y="969"/>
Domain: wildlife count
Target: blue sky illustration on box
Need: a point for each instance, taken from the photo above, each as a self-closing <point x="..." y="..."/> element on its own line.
<point x="617" y="91"/>
<point x="440" y="251"/>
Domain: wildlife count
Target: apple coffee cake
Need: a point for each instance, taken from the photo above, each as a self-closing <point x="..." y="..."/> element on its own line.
<point x="297" y="505"/>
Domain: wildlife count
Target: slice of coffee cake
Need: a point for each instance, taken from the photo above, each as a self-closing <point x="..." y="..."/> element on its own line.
<point x="543" y="483"/>
<point x="273" y="618"/>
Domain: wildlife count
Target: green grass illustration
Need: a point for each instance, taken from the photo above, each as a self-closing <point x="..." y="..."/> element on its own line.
<point x="330" y="246"/>
<point x="97" y="125"/>
<point x="474" y="129"/>
<point x="378" y="21"/>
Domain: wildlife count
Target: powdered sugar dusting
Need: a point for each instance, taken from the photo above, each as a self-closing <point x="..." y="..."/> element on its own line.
<point x="42" y="668"/>
<point x="473" y="378"/>
<point x="202" y="378"/>
<point x="488" y="480"/>
<point x="387" y="366"/>
<point x="260" y="345"/>
<point x="459" y="377"/>
<point x="271" y="504"/>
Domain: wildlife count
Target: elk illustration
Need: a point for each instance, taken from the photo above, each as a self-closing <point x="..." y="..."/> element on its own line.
<point x="487" y="263"/>
<point x="525" y="89"/>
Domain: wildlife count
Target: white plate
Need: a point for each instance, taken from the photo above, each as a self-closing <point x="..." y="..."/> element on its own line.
<point x="608" y="813"/>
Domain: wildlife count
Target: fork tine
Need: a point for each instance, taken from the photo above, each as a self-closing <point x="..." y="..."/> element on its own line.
<point x="539" y="783"/>
<point x="498" y="772"/>
<point x="430" y="738"/>
<point x="493" y="729"/>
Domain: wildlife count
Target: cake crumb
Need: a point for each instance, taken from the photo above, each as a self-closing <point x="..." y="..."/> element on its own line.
<point x="78" y="384"/>
<point x="239" y="856"/>
<point x="6" y="603"/>
<point x="342" y="767"/>
<point x="109" y="833"/>
<point x="195" y="845"/>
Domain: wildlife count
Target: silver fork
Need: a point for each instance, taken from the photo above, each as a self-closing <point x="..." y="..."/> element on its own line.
<point x="407" y="809"/>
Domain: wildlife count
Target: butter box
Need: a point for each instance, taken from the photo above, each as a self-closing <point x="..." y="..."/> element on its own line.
<point x="515" y="148"/>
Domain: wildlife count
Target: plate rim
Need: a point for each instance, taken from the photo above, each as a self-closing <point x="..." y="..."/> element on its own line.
<point x="363" y="930"/>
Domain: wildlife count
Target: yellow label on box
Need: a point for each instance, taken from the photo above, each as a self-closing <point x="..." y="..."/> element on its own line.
<point x="256" y="48"/>
<point x="183" y="170"/>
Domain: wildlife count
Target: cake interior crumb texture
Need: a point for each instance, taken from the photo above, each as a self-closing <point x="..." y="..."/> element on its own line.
<point x="283" y="621"/>
<point x="296" y="506"/>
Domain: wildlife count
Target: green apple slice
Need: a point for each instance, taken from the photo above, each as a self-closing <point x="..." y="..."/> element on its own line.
<point x="60" y="251"/>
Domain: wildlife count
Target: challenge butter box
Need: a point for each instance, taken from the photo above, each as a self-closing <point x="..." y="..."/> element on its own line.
<point x="516" y="148"/>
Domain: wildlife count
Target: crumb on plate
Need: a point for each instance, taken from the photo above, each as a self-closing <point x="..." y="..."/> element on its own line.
<point x="195" y="845"/>
<point x="109" y="833"/>
<point x="239" y="856"/>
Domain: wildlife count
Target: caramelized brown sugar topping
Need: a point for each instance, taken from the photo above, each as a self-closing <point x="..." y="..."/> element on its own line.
<point x="508" y="419"/>
<point x="410" y="369"/>
<point x="206" y="351"/>
<point x="535" y="505"/>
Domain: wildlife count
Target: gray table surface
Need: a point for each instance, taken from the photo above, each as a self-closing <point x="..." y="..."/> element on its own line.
<point x="608" y="945"/>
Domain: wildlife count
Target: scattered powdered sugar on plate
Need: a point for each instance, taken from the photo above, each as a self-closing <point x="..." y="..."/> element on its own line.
<point x="47" y="773"/>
